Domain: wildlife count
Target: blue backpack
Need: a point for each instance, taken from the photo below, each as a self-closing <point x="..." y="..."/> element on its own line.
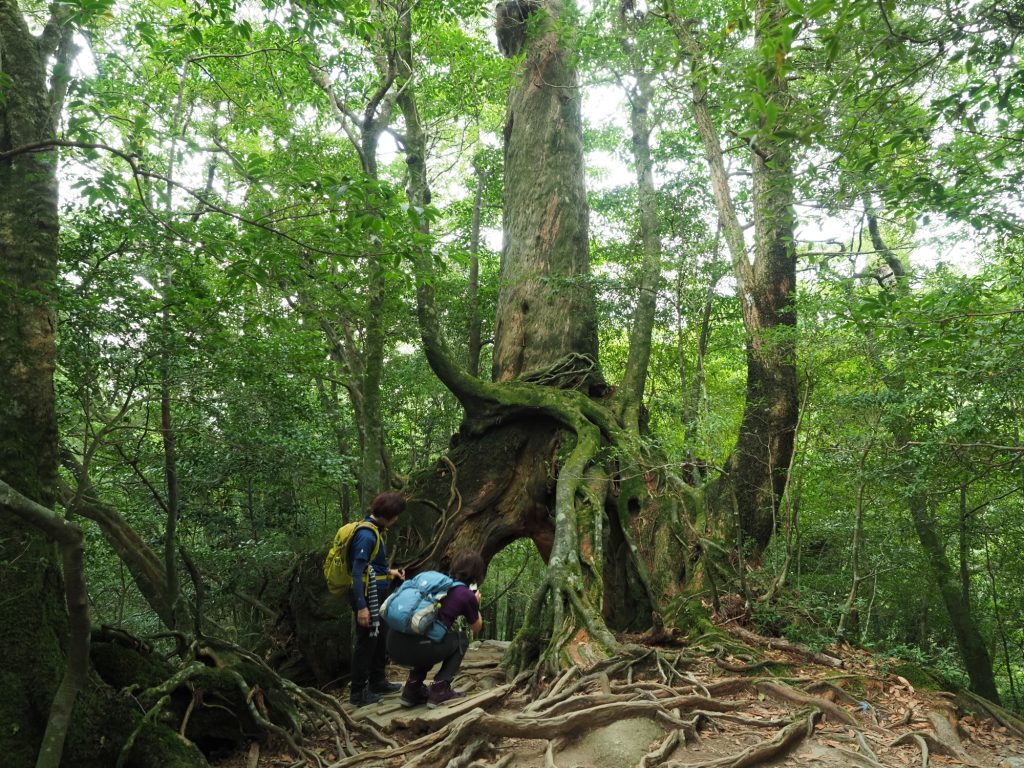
<point x="412" y="608"/>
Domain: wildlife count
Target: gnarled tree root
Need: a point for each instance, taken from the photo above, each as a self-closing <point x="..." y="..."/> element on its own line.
<point x="785" y="740"/>
<point x="785" y="693"/>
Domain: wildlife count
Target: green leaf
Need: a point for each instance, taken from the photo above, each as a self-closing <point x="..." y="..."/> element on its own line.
<point x="819" y="8"/>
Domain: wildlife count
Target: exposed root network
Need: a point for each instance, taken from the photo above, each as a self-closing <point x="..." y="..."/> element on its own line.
<point x="682" y="708"/>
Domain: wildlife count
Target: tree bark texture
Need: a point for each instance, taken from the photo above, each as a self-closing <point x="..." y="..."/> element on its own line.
<point x="500" y="484"/>
<point x="545" y="303"/>
<point x="33" y="617"/>
<point x="758" y="468"/>
<point x="475" y="344"/>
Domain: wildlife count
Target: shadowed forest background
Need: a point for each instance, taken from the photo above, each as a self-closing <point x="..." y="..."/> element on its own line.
<point x="671" y="310"/>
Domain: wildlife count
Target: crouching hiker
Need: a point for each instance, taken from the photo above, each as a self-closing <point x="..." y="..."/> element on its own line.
<point x="420" y="652"/>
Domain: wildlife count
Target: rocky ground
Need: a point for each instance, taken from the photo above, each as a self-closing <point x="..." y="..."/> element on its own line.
<point x="720" y="705"/>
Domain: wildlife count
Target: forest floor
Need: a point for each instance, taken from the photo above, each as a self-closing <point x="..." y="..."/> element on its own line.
<point x="673" y="706"/>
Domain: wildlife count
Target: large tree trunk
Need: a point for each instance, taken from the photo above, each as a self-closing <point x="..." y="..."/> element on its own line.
<point x="50" y="708"/>
<point x="759" y="467"/>
<point x="525" y="461"/>
<point x="33" y="617"/>
<point x="545" y="316"/>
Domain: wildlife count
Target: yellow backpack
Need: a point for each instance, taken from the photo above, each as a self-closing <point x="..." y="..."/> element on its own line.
<point x="336" y="570"/>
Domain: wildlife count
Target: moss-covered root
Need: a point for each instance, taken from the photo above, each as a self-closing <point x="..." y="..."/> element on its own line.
<point x="579" y="639"/>
<point x="154" y="745"/>
<point x="565" y="626"/>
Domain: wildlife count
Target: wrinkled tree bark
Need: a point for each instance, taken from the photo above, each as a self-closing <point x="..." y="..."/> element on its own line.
<point x="545" y="313"/>
<point x="33" y="617"/>
<point x="475" y="343"/>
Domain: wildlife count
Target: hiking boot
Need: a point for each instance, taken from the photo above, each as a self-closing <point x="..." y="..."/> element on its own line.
<point x="414" y="694"/>
<point x="441" y="692"/>
<point x="384" y="687"/>
<point x="362" y="697"/>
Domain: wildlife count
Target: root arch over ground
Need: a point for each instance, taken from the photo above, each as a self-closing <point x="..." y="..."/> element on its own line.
<point x="555" y="467"/>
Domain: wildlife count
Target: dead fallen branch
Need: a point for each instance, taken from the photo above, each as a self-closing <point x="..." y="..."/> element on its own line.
<point x="793" y="696"/>
<point x="777" y="643"/>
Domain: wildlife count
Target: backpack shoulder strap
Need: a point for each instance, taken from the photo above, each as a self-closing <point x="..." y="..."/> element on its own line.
<point x="376" y="534"/>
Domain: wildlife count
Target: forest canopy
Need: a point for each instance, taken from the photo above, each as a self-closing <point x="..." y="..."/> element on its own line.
<point x="670" y="309"/>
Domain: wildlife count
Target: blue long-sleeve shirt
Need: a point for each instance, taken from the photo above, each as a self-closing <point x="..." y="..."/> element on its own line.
<point x="360" y="550"/>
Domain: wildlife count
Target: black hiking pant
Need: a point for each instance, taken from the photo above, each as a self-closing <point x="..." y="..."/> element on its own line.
<point x="421" y="653"/>
<point x="369" y="657"/>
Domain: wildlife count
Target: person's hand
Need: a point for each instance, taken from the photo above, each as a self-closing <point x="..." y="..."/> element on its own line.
<point x="397" y="573"/>
<point x="363" y="617"/>
<point x="477" y="593"/>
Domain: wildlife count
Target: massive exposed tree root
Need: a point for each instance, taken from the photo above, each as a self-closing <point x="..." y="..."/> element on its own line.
<point x="707" y="719"/>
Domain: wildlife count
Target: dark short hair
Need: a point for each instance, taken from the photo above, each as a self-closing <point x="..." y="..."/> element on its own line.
<point x="388" y="505"/>
<point x="467" y="566"/>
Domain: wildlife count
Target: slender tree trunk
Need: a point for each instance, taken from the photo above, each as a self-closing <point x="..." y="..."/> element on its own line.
<point x="145" y="566"/>
<point x="166" y="363"/>
<point x="329" y="403"/>
<point x="695" y="405"/>
<point x="973" y="649"/>
<point x="635" y="377"/>
<point x="365" y="365"/>
<point x="848" y="618"/>
<point x="372" y="476"/>
<point x="756" y="471"/>
<point x="475" y="344"/>
<point x="1001" y="626"/>
<point x="964" y="559"/>
<point x="371" y="467"/>
<point x="953" y="588"/>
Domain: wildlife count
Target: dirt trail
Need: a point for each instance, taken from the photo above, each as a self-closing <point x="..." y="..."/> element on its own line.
<point x="679" y="707"/>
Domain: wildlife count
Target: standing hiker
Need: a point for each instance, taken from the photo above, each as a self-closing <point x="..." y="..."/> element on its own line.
<point x="371" y="578"/>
